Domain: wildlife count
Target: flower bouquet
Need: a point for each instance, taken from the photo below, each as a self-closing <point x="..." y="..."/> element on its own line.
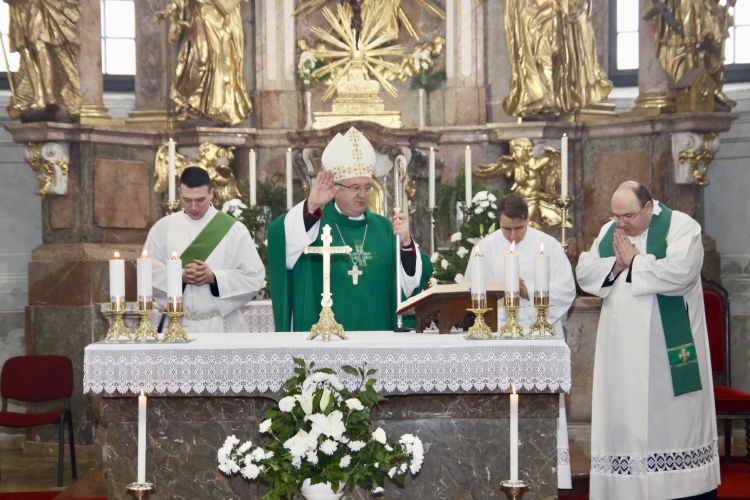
<point x="320" y="432"/>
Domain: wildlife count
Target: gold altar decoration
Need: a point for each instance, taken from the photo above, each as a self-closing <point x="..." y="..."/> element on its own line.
<point x="117" y="329"/>
<point x="554" y="67"/>
<point x="511" y="327"/>
<point x="479" y="329"/>
<point x="536" y="180"/>
<point x="44" y="170"/>
<point x="541" y="325"/>
<point x="699" y="161"/>
<point x="145" y="330"/>
<point x="211" y="159"/>
<point x="390" y="9"/>
<point x="45" y="35"/>
<point x="175" y="331"/>
<point x="357" y="57"/>
<point x="695" y="91"/>
<point x="691" y="34"/>
<point x="408" y="65"/>
<point x="208" y="80"/>
<point x="376" y="203"/>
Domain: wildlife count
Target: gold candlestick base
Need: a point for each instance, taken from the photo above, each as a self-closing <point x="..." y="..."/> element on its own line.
<point x="175" y="331"/>
<point x="480" y="329"/>
<point x="118" y="328"/>
<point x="541" y="324"/>
<point x="327" y="326"/>
<point x="563" y="203"/>
<point x="171" y="207"/>
<point x="511" y="326"/>
<point x="145" y="330"/>
<point x="140" y="491"/>
<point x="514" y="490"/>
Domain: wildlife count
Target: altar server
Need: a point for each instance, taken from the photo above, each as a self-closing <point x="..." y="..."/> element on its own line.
<point x="221" y="267"/>
<point x="653" y="425"/>
<point x="513" y="216"/>
<point x="363" y="283"/>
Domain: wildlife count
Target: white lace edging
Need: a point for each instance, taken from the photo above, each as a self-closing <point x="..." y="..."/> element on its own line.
<point x="563" y="457"/>
<point x="532" y="368"/>
<point x="665" y="461"/>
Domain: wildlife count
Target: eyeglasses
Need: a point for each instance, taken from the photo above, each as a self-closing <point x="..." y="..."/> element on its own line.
<point x="357" y="188"/>
<point x="625" y="218"/>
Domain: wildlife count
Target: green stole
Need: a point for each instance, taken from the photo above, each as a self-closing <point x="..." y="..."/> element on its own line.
<point x="208" y="238"/>
<point x="675" y="320"/>
<point x="369" y="305"/>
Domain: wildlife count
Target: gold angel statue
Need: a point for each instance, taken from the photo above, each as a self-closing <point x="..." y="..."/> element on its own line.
<point x="212" y="158"/>
<point x="45" y="35"/>
<point x="408" y="65"/>
<point x="208" y="80"/>
<point x="536" y="180"/>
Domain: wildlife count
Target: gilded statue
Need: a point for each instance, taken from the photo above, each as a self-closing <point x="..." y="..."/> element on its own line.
<point x="44" y="34"/>
<point x="208" y="80"/>
<point x="408" y="65"/>
<point x="536" y="180"/>
<point x="692" y="34"/>
<point x="554" y="67"/>
<point x="213" y="159"/>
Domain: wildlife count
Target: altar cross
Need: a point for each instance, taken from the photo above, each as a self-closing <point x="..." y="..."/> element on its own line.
<point x="326" y="250"/>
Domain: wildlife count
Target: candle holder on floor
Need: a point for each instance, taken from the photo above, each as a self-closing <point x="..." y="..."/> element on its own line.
<point x="514" y="490"/>
<point x="140" y="491"/>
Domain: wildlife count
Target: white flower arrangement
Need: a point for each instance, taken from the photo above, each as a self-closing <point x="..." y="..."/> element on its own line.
<point x="320" y="431"/>
<point x="234" y="208"/>
<point x="306" y="65"/>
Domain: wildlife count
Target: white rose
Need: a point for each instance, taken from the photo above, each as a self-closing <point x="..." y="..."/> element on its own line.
<point x="379" y="435"/>
<point x="461" y="252"/>
<point x="287" y="404"/>
<point x="444" y="264"/>
<point x="265" y="425"/>
<point x="456" y="237"/>
<point x="354" y="404"/>
<point x="459" y="278"/>
<point x="345" y="461"/>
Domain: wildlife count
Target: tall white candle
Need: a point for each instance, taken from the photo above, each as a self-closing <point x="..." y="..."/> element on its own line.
<point x="564" y="161"/>
<point x="142" y="401"/>
<point x="171" y="170"/>
<point x="174" y="276"/>
<point x="478" y="276"/>
<point x="467" y="170"/>
<point x="541" y="270"/>
<point x="289" y="179"/>
<point x="253" y="179"/>
<point x="432" y="177"/>
<point x="512" y="275"/>
<point x="117" y="279"/>
<point x="514" y="436"/>
<point x="145" y="274"/>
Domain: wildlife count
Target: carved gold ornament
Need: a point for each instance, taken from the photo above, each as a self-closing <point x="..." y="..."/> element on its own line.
<point x="700" y="160"/>
<point x="52" y="175"/>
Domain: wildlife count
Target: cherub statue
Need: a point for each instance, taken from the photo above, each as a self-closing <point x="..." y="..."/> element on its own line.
<point x="213" y="159"/>
<point x="536" y="180"/>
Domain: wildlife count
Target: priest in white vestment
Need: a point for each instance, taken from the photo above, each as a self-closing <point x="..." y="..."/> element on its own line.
<point x="513" y="215"/>
<point x="226" y="278"/>
<point x="653" y="425"/>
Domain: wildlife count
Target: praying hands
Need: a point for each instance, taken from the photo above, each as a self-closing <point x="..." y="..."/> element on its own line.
<point x="625" y="251"/>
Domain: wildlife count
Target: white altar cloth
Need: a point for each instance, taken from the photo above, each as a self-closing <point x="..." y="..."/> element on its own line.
<point x="226" y="363"/>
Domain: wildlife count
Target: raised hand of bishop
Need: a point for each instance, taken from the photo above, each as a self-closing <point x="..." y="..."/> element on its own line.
<point x="323" y="190"/>
<point x="401" y="228"/>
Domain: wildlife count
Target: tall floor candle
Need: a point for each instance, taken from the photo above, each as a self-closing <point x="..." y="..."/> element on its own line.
<point x="514" y="436"/>
<point x="564" y="161"/>
<point x="142" y="401"/>
<point x="289" y="185"/>
<point x="432" y="178"/>
<point x="467" y="171"/>
<point x="253" y="179"/>
<point x="171" y="170"/>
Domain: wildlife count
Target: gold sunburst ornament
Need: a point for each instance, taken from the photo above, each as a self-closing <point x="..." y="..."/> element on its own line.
<point x="355" y="57"/>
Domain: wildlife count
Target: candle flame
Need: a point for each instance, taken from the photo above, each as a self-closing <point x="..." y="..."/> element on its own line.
<point x="289" y="150"/>
<point x="512" y="247"/>
<point x="117" y="255"/>
<point x="143" y="393"/>
<point x="468" y="147"/>
<point x="432" y="149"/>
<point x="513" y="387"/>
<point x="541" y="248"/>
<point x="145" y="254"/>
<point x="174" y="255"/>
<point x="252" y="150"/>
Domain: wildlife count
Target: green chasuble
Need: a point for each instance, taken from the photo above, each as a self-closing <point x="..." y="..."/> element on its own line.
<point x="368" y="305"/>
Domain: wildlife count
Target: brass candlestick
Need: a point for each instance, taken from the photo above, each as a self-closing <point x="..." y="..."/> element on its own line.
<point x="118" y="328"/>
<point x="327" y="326"/>
<point x="145" y="330"/>
<point x="514" y="490"/>
<point x="480" y="329"/>
<point x="541" y="325"/>
<point x="512" y="326"/>
<point x="140" y="491"/>
<point x="174" y="330"/>
<point x="563" y="203"/>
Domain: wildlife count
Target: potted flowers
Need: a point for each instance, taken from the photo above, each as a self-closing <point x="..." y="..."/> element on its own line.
<point x="319" y="440"/>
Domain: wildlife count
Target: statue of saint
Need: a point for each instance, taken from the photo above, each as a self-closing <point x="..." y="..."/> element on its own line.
<point x="208" y="81"/>
<point x="536" y="180"/>
<point x="692" y="34"/>
<point x="554" y="67"/>
<point x="44" y="33"/>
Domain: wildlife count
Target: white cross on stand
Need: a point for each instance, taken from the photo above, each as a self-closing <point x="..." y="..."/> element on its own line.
<point x="355" y="273"/>
<point x="327" y="325"/>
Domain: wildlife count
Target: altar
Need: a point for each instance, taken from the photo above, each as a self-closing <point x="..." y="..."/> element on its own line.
<point x="450" y="392"/>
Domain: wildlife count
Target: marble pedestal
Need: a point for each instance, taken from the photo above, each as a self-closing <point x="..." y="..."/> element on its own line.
<point x="465" y="438"/>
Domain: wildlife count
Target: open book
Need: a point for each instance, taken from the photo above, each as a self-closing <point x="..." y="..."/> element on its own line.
<point x="456" y="289"/>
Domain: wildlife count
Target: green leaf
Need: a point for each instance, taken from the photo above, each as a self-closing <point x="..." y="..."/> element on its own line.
<point x="371" y="371"/>
<point x="349" y="369"/>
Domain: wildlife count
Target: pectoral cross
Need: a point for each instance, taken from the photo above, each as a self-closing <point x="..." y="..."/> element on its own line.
<point x="326" y="250"/>
<point x="355" y="273"/>
<point x="684" y="355"/>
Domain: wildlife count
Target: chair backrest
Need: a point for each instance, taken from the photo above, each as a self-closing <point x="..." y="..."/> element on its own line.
<point x="36" y="379"/>
<point x="716" y="303"/>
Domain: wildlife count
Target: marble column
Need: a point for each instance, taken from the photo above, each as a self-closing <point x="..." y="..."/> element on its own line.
<point x="465" y="94"/>
<point x="154" y="68"/>
<point x="655" y="88"/>
<point x="89" y="61"/>
<point x="277" y="103"/>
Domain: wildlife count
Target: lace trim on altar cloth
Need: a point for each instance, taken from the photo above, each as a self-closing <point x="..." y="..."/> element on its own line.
<point x="665" y="461"/>
<point x="259" y="319"/>
<point x="563" y="457"/>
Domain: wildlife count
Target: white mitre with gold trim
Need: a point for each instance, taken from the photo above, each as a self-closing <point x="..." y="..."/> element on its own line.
<point x="349" y="155"/>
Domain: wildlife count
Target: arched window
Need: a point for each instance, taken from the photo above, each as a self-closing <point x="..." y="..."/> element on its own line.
<point x="623" y="42"/>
